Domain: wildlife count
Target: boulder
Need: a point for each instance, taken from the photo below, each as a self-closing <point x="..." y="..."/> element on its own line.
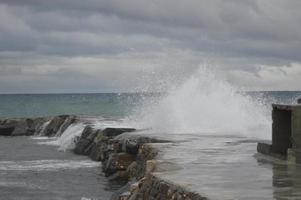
<point x="88" y="132"/>
<point x="68" y="121"/>
<point x="6" y="131"/>
<point x="113" y="132"/>
<point x="85" y="144"/>
<point x="54" y="125"/>
<point x="20" y="126"/>
<point x="101" y="145"/>
<point x="117" y="162"/>
<point x="98" y="149"/>
<point x="35" y="124"/>
<point x="119" y="176"/>
<point x="83" y="147"/>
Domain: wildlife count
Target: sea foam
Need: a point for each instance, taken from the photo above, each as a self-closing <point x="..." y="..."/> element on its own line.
<point x="205" y="104"/>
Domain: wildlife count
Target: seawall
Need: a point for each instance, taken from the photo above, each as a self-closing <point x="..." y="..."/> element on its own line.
<point x="125" y="155"/>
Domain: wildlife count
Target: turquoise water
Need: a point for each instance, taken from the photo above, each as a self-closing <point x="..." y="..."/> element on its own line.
<point x="102" y="104"/>
<point x="36" y="105"/>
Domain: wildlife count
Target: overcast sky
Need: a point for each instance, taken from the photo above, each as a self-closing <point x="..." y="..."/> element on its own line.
<point x="119" y="45"/>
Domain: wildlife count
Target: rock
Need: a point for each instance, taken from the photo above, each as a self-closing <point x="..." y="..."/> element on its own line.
<point x="132" y="169"/>
<point x="119" y="176"/>
<point x="122" y="190"/>
<point x="83" y="147"/>
<point x="99" y="150"/>
<point x="6" y="131"/>
<point x="55" y="125"/>
<point x="68" y="121"/>
<point x="104" y="143"/>
<point x="116" y="162"/>
<point x="113" y="132"/>
<point x="151" y="187"/>
<point x="130" y="146"/>
<point x="124" y="196"/>
<point x="150" y="166"/>
<point x="264" y="148"/>
<point x="22" y="126"/>
<point x="85" y="144"/>
<point x="89" y="133"/>
<point x="35" y="124"/>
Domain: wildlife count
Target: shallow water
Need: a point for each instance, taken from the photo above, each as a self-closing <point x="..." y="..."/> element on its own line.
<point x="30" y="171"/>
<point x="227" y="167"/>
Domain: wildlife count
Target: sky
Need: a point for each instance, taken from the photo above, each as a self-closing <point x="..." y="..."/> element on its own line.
<point x="129" y="45"/>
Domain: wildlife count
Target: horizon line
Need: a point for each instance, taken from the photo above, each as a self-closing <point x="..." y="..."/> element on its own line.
<point x="43" y="93"/>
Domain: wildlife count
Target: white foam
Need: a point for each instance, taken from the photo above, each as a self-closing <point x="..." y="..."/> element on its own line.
<point x="105" y="123"/>
<point x="67" y="139"/>
<point x="205" y="104"/>
<point x="45" y="165"/>
<point x="43" y="127"/>
<point x="40" y="138"/>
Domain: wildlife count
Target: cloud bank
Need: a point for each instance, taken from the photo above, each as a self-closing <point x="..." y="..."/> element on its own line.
<point x="115" y="46"/>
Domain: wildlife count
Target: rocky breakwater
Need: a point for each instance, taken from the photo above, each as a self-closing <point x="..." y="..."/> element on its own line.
<point x="43" y="126"/>
<point x="126" y="155"/>
<point x="130" y="157"/>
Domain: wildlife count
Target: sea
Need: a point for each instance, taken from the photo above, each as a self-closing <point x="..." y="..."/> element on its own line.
<point x="200" y="109"/>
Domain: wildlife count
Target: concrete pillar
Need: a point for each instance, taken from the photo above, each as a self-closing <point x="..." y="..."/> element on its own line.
<point x="296" y="127"/>
<point x="281" y="130"/>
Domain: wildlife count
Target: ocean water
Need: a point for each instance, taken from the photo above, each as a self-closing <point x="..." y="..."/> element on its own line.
<point x="209" y="118"/>
<point x="101" y="104"/>
<point x="37" y="105"/>
<point x="30" y="171"/>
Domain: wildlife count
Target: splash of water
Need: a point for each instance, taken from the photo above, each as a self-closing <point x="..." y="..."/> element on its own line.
<point x="67" y="139"/>
<point x="208" y="105"/>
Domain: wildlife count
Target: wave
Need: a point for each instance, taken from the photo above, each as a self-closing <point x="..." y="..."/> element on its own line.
<point x="205" y="104"/>
<point x="67" y="139"/>
<point x="45" y="165"/>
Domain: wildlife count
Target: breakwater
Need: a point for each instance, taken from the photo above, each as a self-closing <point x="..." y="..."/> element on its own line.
<point x="125" y="157"/>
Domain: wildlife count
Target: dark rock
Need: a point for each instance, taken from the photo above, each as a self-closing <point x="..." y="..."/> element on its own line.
<point x="86" y="144"/>
<point x="132" y="169"/>
<point x="132" y="143"/>
<point x="55" y="124"/>
<point x="83" y="147"/>
<point x="122" y="190"/>
<point x="20" y="127"/>
<point x="264" y="148"/>
<point x="6" y="131"/>
<point x="112" y="132"/>
<point x="117" y="162"/>
<point x="96" y="153"/>
<point x="23" y="126"/>
<point x="102" y="145"/>
<point x="119" y="176"/>
<point x="88" y="133"/>
<point x="69" y="120"/>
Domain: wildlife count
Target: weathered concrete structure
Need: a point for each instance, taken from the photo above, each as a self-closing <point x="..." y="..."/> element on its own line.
<point x="286" y="133"/>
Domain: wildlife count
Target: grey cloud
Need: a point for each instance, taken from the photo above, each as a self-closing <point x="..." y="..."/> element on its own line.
<point x="163" y="36"/>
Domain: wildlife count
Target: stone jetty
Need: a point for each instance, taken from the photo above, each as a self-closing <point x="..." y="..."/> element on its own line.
<point x="126" y="157"/>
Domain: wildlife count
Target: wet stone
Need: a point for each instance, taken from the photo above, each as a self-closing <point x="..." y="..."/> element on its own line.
<point x="6" y="130"/>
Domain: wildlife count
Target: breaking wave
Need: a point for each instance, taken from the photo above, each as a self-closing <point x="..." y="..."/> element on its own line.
<point x="205" y="104"/>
